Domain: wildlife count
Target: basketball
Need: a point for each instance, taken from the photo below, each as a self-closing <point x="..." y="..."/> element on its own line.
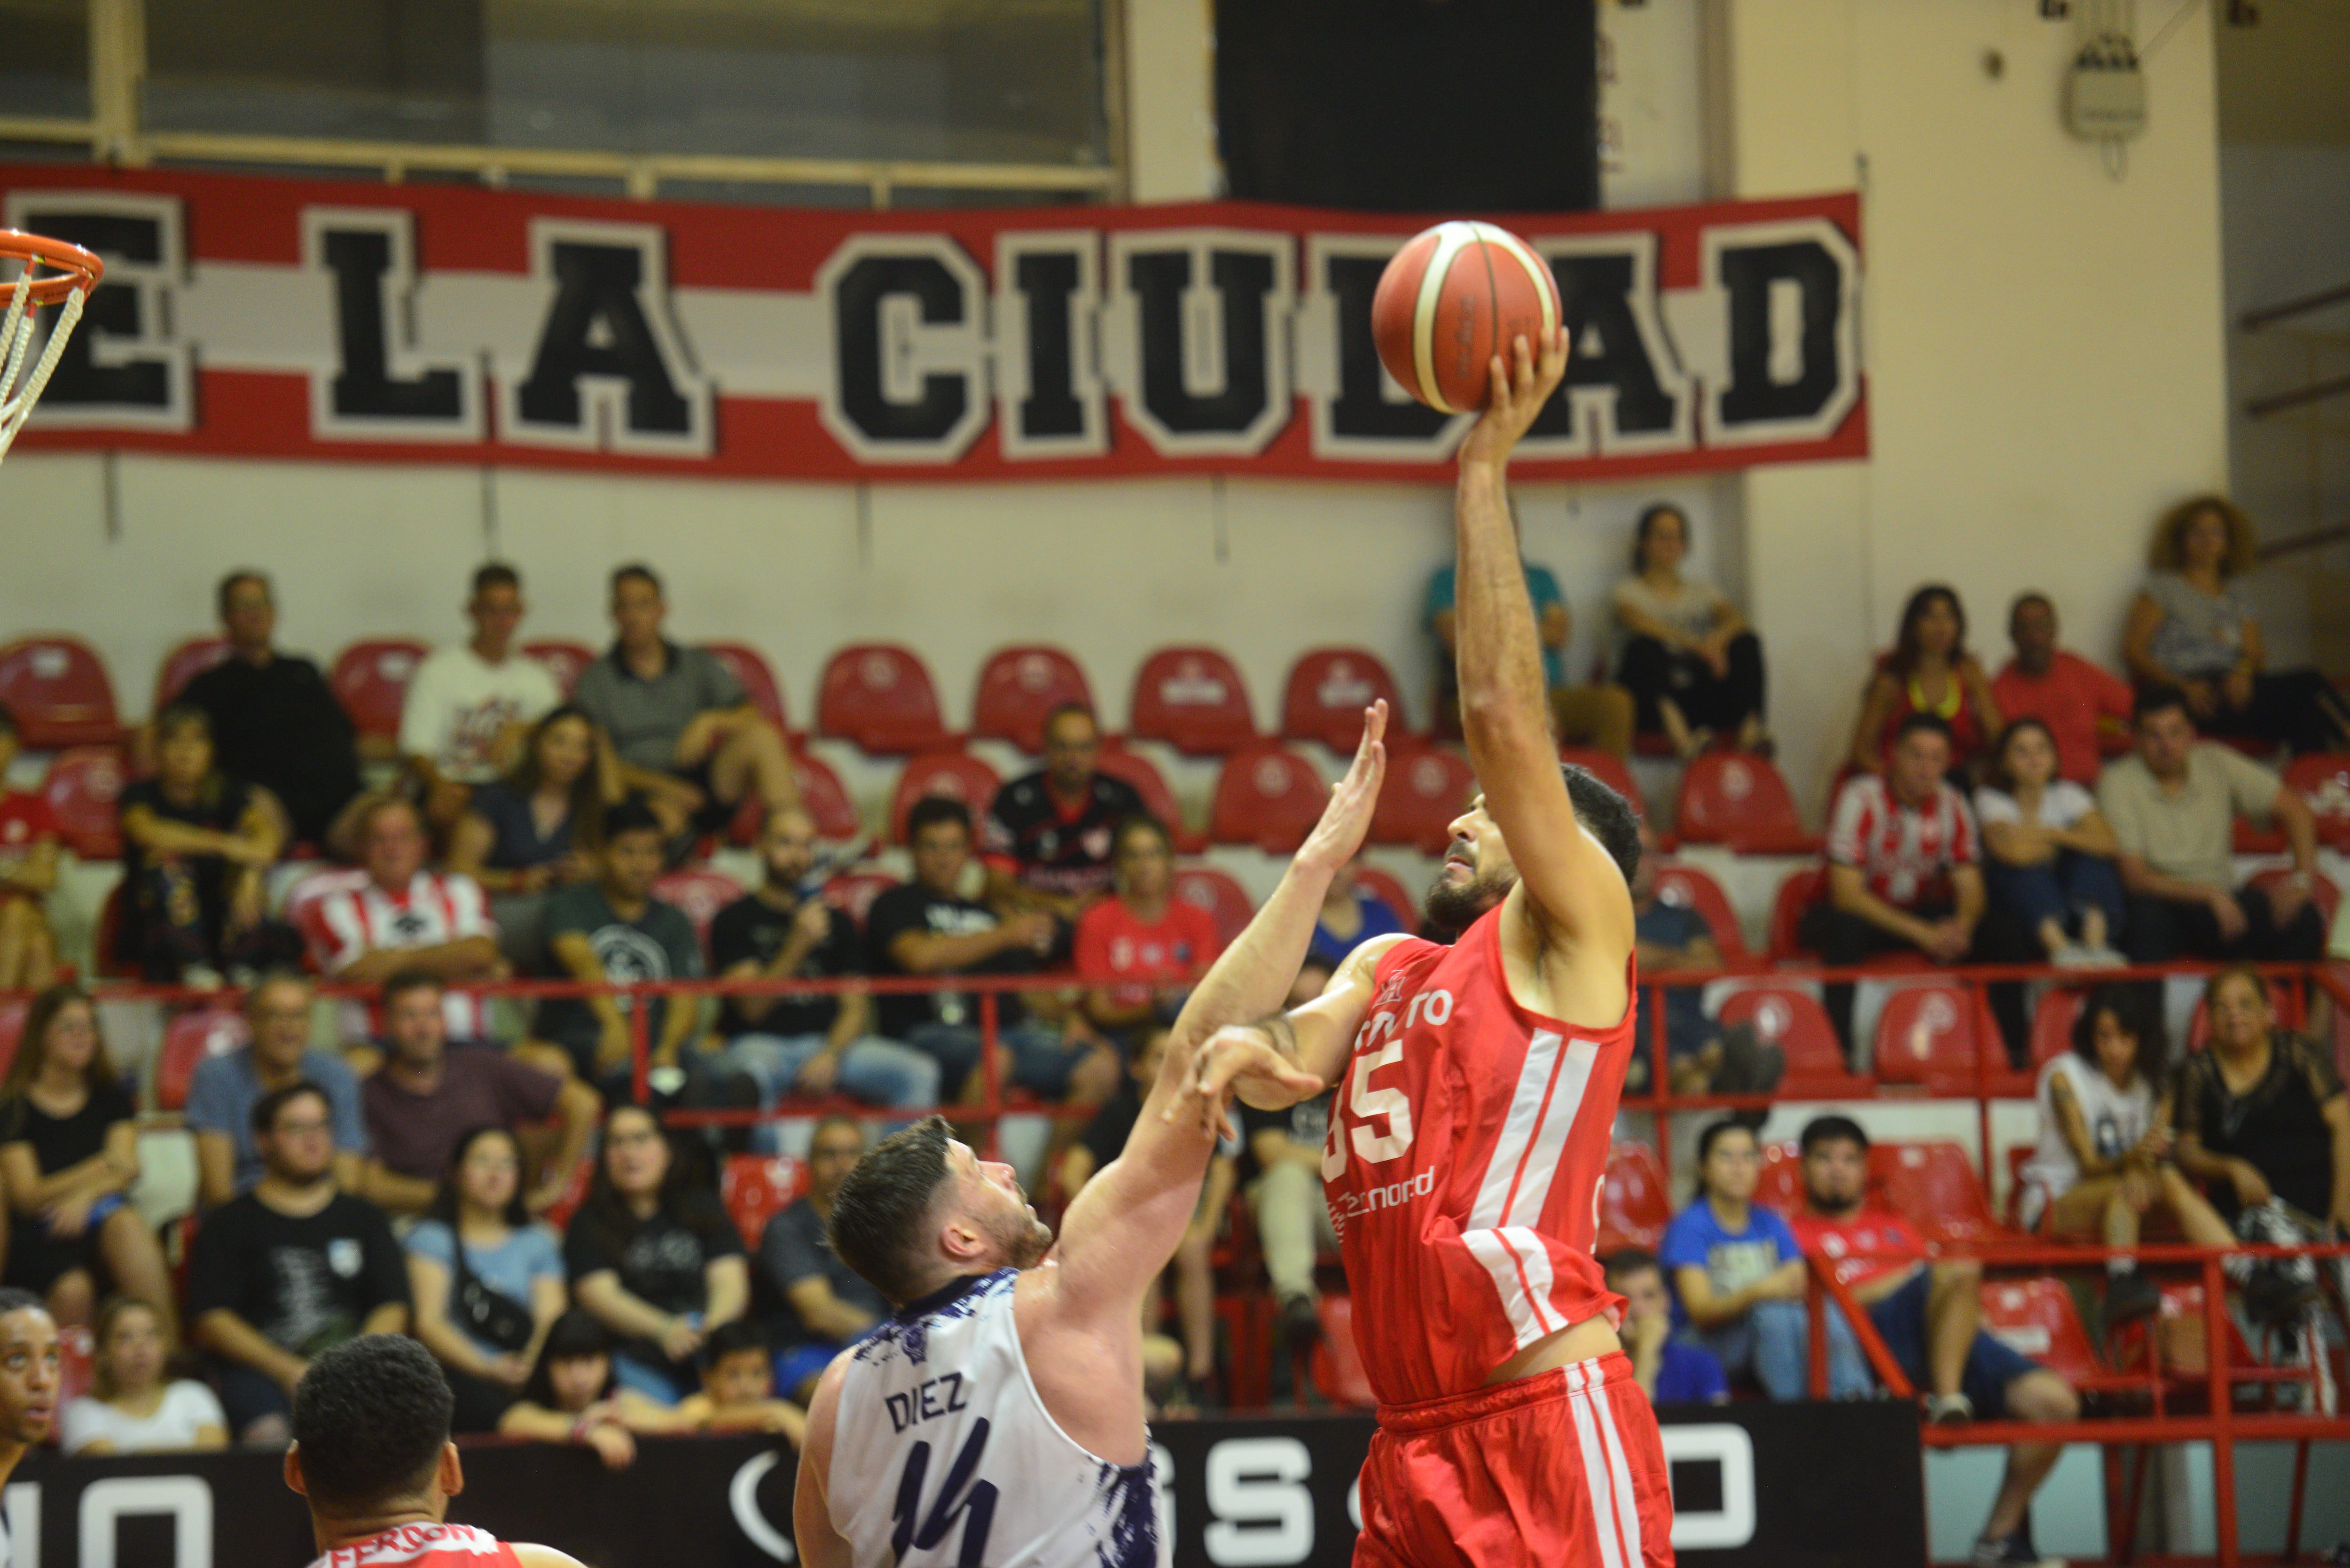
<point x="1453" y="297"/>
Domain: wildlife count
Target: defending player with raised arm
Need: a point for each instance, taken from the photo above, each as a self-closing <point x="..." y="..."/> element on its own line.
<point x="997" y="1415"/>
<point x="1477" y="1086"/>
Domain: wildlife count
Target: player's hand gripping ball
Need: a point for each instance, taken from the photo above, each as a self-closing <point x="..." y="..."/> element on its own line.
<point x="1453" y="297"/>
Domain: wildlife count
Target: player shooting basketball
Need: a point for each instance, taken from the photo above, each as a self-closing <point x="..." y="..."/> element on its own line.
<point x="1477" y="1086"/>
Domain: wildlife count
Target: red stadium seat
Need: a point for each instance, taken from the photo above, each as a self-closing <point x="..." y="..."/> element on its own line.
<point x="1781" y="1185"/>
<point x="1803" y="887"/>
<point x="1933" y="1185"/>
<point x="1216" y="892"/>
<point x="1373" y="880"/>
<point x="701" y="892"/>
<point x="1192" y="699"/>
<point x="564" y="659"/>
<point x="2052" y="1023"/>
<point x="1608" y="769"/>
<point x="1688" y="888"/>
<point x="822" y="795"/>
<point x="2323" y="780"/>
<point x="1930" y="1034"/>
<point x="188" y="1040"/>
<point x="750" y="670"/>
<point x="77" y="1361"/>
<point x="878" y="697"/>
<point x="1328" y="688"/>
<point x="371" y="681"/>
<point x="1337" y="1363"/>
<point x="958" y="775"/>
<point x="1018" y="686"/>
<point x="1739" y="799"/>
<point x="81" y="790"/>
<point x="2035" y="1317"/>
<point x="1423" y="793"/>
<point x="1635" y="1200"/>
<point x="183" y="664"/>
<point x="2321" y="891"/>
<point x="57" y="688"/>
<point x="755" y="1188"/>
<point x="854" y="891"/>
<point x="1268" y="796"/>
<point x="1794" y="1021"/>
<point x="1151" y="785"/>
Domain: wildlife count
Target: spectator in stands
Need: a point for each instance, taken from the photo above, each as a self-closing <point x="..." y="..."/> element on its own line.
<point x="806" y="1044"/>
<point x="2085" y="706"/>
<point x="927" y="927"/>
<point x="738" y="1388"/>
<point x="822" y="1304"/>
<point x="2173" y="807"/>
<point x="537" y="828"/>
<point x="1598" y="715"/>
<point x="1140" y="951"/>
<point x="69" y="1159"/>
<point x="1046" y="840"/>
<point x="274" y="720"/>
<point x="1689" y="659"/>
<point x="573" y="1396"/>
<point x="488" y="1282"/>
<point x="1351" y="915"/>
<point x="2264" y="1124"/>
<point x="463" y="719"/>
<point x="428" y="1095"/>
<point x="1670" y="1371"/>
<point x="133" y="1406"/>
<point x="292" y="1268"/>
<point x="1929" y="672"/>
<point x="687" y="736"/>
<point x="2048" y="852"/>
<point x="195" y="844"/>
<point x="2104" y="1153"/>
<point x="612" y="931"/>
<point x="225" y="1089"/>
<point x="1704" y="1056"/>
<point x="29" y="838"/>
<point x="1929" y="1316"/>
<point x="1737" y="1275"/>
<point x="2193" y="629"/>
<point x="1281" y="1176"/>
<point x="1905" y="873"/>
<point x="654" y="1256"/>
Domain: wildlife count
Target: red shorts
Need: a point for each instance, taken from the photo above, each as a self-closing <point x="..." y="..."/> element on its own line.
<point x="1565" y="1468"/>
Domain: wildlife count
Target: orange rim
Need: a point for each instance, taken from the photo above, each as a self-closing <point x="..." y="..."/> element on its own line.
<point x="77" y="269"/>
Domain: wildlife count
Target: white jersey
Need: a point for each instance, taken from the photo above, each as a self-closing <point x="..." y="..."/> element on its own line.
<point x="943" y="1454"/>
<point x="2115" y="1119"/>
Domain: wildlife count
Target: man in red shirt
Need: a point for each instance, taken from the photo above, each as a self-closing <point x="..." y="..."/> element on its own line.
<point x="2084" y="707"/>
<point x="1929" y="1315"/>
<point x="28" y="870"/>
<point x="1140" y="951"/>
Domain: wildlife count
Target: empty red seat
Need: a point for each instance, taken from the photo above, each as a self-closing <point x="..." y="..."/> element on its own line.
<point x="563" y="658"/>
<point x="1337" y="1362"/>
<point x="700" y="893"/>
<point x="1688" y="887"/>
<point x="2036" y="1317"/>
<point x="1801" y="889"/>
<point x="57" y="688"/>
<point x="1018" y="687"/>
<point x="2323" y="778"/>
<point x="1193" y="698"/>
<point x="1328" y="688"/>
<point x="1793" y="1020"/>
<point x="1931" y="1034"/>
<point x="750" y="670"/>
<point x="1608" y="768"/>
<point x="190" y="659"/>
<point x="371" y="681"/>
<point x="1151" y="785"/>
<point x="188" y="1041"/>
<point x="854" y="891"/>
<point x="1371" y="880"/>
<point x="1216" y="892"/>
<point x="1268" y="796"/>
<point x="1934" y="1186"/>
<point x="755" y="1188"/>
<point x="879" y="698"/>
<point x="957" y="775"/>
<point x="1423" y="793"/>
<point x="1741" y="800"/>
<point x="81" y="789"/>
<point x="1635" y="1202"/>
<point x="822" y="795"/>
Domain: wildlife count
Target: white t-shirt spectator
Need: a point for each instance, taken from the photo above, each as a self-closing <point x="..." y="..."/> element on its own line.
<point x="186" y="1407"/>
<point x="345" y="924"/>
<point x="1906" y="853"/>
<point x="2115" y="1119"/>
<point x="458" y="705"/>
<point x="2062" y="804"/>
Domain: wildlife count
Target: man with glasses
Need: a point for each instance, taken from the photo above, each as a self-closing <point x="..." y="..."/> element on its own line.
<point x="226" y="1088"/>
<point x="1046" y="840"/>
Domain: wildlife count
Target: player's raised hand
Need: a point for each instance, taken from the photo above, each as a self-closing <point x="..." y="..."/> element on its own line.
<point x="1348" y="816"/>
<point x="1243" y="1059"/>
<point x="1518" y="390"/>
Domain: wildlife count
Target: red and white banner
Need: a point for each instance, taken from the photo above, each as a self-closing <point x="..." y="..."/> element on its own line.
<point x="243" y="316"/>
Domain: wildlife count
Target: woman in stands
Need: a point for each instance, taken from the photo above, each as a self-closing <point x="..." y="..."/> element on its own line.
<point x="2193" y="627"/>
<point x="1689" y="659"/>
<point x="539" y="826"/>
<point x="484" y="1310"/>
<point x="195" y="846"/>
<point x="2104" y="1156"/>
<point x="1930" y="670"/>
<point x="131" y="1407"/>
<point x="1140" y="951"/>
<point x="2051" y="852"/>
<point x="68" y="1157"/>
<point x="1736" y="1270"/>
<point x="655" y="1257"/>
<point x="573" y="1396"/>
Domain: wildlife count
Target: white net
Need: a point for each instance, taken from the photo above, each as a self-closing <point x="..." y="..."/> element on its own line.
<point x="22" y="375"/>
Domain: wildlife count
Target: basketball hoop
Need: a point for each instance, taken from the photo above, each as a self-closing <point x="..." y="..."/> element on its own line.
<point x="71" y="273"/>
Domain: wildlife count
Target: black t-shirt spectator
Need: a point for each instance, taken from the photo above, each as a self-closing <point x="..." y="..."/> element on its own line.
<point x="793" y="1248"/>
<point x="2277" y="1125"/>
<point x="659" y="944"/>
<point x="1306" y="1123"/>
<point x="60" y="1142"/>
<point x="280" y="726"/>
<point x="751" y="928"/>
<point x="914" y="907"/>
<point x="305" y="1283"/>
<point x="660" y="1260"/>
<point x="219" y="807"/>
<point x="1052" y="850"/>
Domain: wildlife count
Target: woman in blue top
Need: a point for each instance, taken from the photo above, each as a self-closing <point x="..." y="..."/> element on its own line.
<point x="1736" y="1269"/>
<point x="485" y="1316"/>
<point x="1351" y="915"/>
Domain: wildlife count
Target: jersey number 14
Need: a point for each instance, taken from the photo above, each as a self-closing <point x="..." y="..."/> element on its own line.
<point x="978" y="1502"/>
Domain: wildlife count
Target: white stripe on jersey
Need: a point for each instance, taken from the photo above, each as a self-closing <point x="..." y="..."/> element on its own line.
<point x="1596" y="1483"/>
<point x="1558" y="1121"/>
<point x="1526" y="1105"/>
<point x="1520" y="1267"/>
<point x="1628" y="1511"/>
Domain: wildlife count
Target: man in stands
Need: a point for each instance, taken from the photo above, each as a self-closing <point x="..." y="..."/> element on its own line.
<point x="428" y="1095"/>
<point x="2173" y="805"/>
<point x="28" y="870"/>
<point x="469" y="705"/>
<point x="1701" y="1056"/>
<point x="1930" y="1316"/>
<point x="824" y="1304"/>
<point x="687" y="736"/>
<point x="1671" y="1371"/>
<point x="613" y="931"/>
<point x="403" y="917"/>
<point x="290" y="1268"/>
<point x="226" y="1088"/>
<point x="1905" y="875"/>
<point x="275" y="721"/>
<point x="2081" y="704"/>
<point x="1048" y="835"/>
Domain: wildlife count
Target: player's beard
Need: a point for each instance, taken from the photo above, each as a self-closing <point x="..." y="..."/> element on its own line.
<point x="1454" y="908"/>
<point x="1022" y="1237"/>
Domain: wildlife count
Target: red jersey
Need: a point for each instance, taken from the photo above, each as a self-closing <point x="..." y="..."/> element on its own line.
<point x="1468" y="1140"/>
<point x="2071" y="699"/>
<point x="1116" y="950"/>
<point x="1870" y="1244"/>
<point x="424" y="1546"/>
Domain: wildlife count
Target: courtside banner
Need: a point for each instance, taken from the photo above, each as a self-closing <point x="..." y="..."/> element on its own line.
<point x="1755" y="1486"/>
<point x="250" y="316"/>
